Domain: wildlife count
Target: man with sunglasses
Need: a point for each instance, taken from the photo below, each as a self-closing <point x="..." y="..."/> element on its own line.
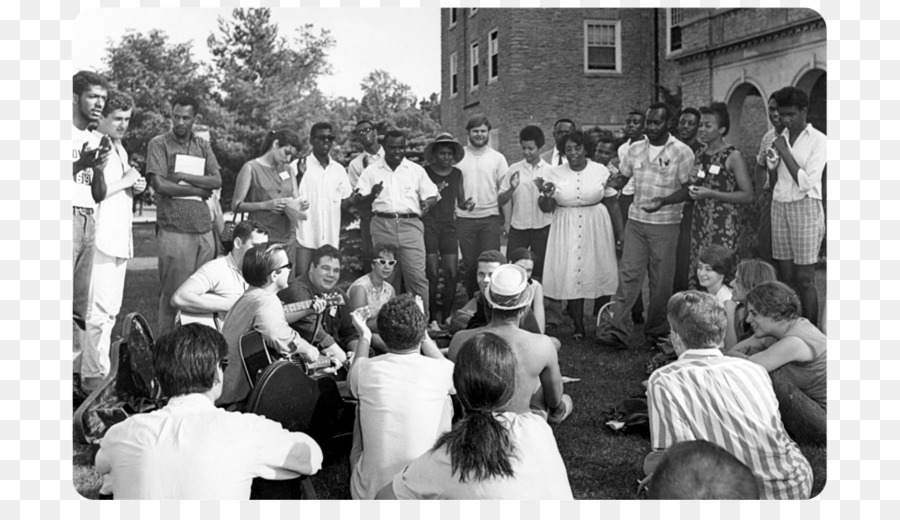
<point x="266" y="269"/>
<point x="367" y="135"/>
<point x="326" y="187"/>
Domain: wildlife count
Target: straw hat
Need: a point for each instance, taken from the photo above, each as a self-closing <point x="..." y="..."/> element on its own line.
<point x="509" y="288"/>
<point x="444" y="138"/>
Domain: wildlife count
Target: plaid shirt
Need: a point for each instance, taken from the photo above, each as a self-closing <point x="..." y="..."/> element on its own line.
<point x="173" y="214"/>
<point x="660" y="177"/>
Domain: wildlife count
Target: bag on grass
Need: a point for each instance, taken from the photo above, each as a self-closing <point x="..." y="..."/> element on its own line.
<point x="630" y="415"/>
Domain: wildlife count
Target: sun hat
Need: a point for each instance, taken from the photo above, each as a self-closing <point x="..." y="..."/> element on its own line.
<point x="509" y="288"/>
<point x="444" y="138"/>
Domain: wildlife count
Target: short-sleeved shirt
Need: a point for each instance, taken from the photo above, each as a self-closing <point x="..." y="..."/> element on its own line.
<point x="659" y="175"/>
<point x="192" y="450"/>
<point x="403" y="189"/>
<point x="448" y="187"/>
<point x="628" y="189"/>
<point x="810" y="151"/>
<point x="81" y="183"/>
<point x="173" y="213"/>
<point x="361" y="162"/>
<point x="222" y="277"/>
<point x="526" y="214"/>
<point x="333" y="326"/>
<point x="485" y="175"/>
<point x="114" y="213"/>
<point x="324" y="188"/>
<point x="538" y="469"/>
<point x="268" y="183"/>
<point x="375" y="297"/>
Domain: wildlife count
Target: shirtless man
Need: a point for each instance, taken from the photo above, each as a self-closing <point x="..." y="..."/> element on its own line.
<point x="539" y="378"/>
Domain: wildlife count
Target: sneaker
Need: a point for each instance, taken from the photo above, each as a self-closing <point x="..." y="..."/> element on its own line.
<point x="608" y="339"/>
<point x="434" y="326"/>
<point x="567" y="406"/>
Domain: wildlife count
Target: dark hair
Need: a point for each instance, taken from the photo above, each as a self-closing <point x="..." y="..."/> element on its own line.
<point x="478" y="120"/>
<point x="791" y="97"/>
<point x="321" y="125"/>
<point x="479" y="444"/>
<point x="701" y="470"/>
<point x="659" y="105"/>
<point x="401" y="324"/>
<point x="753" y="271"/>
<point x="775" y="300"/>
<point x="243" y="230"/>
<point x="185" y="359"/>
<point x="720" y="259"/>
<point x="532" y="133"/>
<point x="259" y="262"/>
<point x="563" y="120"/>
<point x="285" y="137"/>
<point x="689" y="110"/>
<point x="384" y="247"/>
<point x="698" y="318"/>
<point x="186" y="100"/>
<point x="636" y="112"/>
<point x="578" y="137"/>
<point x="326" y="251"/>
<point x="720" y="110"/>
<point x="84" y="79"/>
<point x="117" y="100"/>
<point x="491" y="255"/>
<point x="521" y="253"/>
<point x="393" y="133"/>
<point x="604" y="138"/>
<point x="363" y="121"/>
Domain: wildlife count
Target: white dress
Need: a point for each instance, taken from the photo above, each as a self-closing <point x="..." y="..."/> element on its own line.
<point x="581" y="255"/>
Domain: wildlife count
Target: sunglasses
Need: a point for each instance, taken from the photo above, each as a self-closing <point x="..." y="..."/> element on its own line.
<point x="325" y="137"/>
<point x="383" y="262"/>
<point x="223" y="364"/>
<point x="287" y="265"/>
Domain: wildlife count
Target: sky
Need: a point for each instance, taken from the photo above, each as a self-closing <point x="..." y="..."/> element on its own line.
<point x="404" y="42"/>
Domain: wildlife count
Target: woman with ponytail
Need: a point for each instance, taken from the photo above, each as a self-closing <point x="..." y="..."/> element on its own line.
<point x="490" y="453"/>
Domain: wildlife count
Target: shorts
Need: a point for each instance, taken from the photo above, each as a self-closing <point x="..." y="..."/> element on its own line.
<point x="797" y="230"/>
<point x="441" y="237"/>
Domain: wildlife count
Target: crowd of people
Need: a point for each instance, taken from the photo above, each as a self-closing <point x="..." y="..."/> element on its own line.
<point x="729" y="247"/>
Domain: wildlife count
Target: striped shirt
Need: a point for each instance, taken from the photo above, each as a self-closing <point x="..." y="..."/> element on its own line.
<point x="730" y="402"/>
<point x="657" y="176"/>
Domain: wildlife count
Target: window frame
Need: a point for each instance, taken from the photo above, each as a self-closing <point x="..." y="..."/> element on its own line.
<point x="454" y="74"/>
<point x="669" y="27"/>
<point x="454" y="18"/>
<point x="474" y="58"/>
<point x="472" y="11"/>
<point x="493" y="50"/>
<point x="617" y="24"/>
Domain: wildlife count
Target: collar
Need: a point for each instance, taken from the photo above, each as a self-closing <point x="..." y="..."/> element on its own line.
<point x="384" y="165"/>
<point x="191" y="401"/>
<point x="478" y="151"/>
<point x="787" y="134"/>
<point x="187" y="142"/>
<point x="700" y="353"/>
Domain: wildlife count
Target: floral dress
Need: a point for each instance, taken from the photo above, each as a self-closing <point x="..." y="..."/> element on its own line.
<point x="715" y="221"/>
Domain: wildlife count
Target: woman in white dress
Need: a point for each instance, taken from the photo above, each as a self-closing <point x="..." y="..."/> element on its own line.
<point x="581" y="254"/>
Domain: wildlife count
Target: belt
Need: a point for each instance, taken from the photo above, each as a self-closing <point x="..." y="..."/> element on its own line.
<point x="395" y="216"/>
<point x="83" y="211"/>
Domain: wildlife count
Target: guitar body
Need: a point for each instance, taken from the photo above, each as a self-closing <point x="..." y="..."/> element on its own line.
<point x="257" y="355"/>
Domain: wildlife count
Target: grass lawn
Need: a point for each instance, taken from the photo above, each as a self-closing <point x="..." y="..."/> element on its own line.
<point x="601" y="464"/>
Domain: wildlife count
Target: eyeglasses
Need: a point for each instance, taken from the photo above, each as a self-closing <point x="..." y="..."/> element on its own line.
<point x="363" y="131"/>
<point x="325" y="137"/>
<point x="382" y="261"/>
<point x="288" y="265"/>
<point x="223" y="364"/>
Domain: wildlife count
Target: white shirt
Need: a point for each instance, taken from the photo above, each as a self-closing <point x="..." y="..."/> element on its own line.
<point x="324" y="188"/>
<point x="404" y="406"/>
<point x="361" y="162"/>
<point x="114" y="213"/>
<point x="403" y="189"/>
<point x="556" y="158"/>
<point x="192" y="450"/>
<point x="810" y="152"/>
<point x="485" y="175"/>
<point x="221" y="277"/>
<point x="81" y="185"/>
<point x="525" y="211"/>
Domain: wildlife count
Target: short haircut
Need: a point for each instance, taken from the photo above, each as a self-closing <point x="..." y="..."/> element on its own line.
<point x="791" y="97"/>
<point x="384" y="247"/>
<point x="689" y="110"/>
<point x="285" y="137"/>
<point x="580" y="138"/>
<point x="698" y="318"/>
<point x="604" y="138"/>
<point x="326" y="251"/>
<point x="117" y="100"/>
<point x="84" y="79"/>
<point x="701" y="470"/>
<point x="186" y="100"/>
<point x="491" y="255"/>
<point x="321" y="125"/>
<point x="243" y="230"/>
<point x="401" y="324"/>
<point x="720" y="110"/>
<point x="753" y="271"/>
<point x="478" y="120"/>
<point x="394" y="133"/>
<point x="532" y="133"/>
<point x="185" y="359"/>
<point x="720" y="259"/>
<point x="259" y="262"/>
<point x="636" y="112"/>
<point x="775" y="300"/>
<point x="521" y="253"/>
<point x="659" y="105"/>
<point x="364" y="121"/>
<point x="563" y="120"/>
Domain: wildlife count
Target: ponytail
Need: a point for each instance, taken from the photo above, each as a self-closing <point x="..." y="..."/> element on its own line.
<point x="480" y="447"/>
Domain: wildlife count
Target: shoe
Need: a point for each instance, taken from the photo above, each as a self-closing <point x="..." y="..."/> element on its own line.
<point x="566" y="406"/>
<point x="434" y="326"/>
<point x="608" y="339"/>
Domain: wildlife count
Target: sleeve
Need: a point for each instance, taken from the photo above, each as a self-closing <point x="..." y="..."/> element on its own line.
<point x="365" y="182"/>
<point x="280" y="454"/>
<point x="157" y="162"/>
<point x="204" y="277"/>
<point x="270" y="322"/>
<point x="427" y="189"/>
<point x="607" y="191"/>
<point x="761" y="155"/>
<point x="686" y="162"/>
<point x="423" y="478"/>
<point x="354" y="170"/>
<point x="626" y="164"/>
<point x="212" y="165"/>
<point x="502" y="173"/>
<point x="810" y="173"/>
<point x="346" y="188"/>
<point x="353" y="375"/>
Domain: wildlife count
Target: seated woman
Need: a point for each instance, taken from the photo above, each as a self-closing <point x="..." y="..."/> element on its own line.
<point x="490" y="453"/>
<point x="749" y="274"/>
<point x="715" y="270"/>
<point x="525" y="259"/>
<point x="793" y="351"/>
<point x="373" y="291"/>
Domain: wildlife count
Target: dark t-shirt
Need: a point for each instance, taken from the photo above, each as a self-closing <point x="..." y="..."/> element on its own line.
<point x="448" y="187"/>
<point x="334" y="325"/>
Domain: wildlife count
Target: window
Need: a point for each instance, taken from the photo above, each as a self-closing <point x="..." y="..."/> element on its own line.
<point x="472" y="11"/>
<point x="602" y="46"/>
<point x="453" y="15"/>
<point x="473" y="67"/>
<point x="454" y="74"/>
<point x="493" y="51"/>
<point x="674" y="18"/>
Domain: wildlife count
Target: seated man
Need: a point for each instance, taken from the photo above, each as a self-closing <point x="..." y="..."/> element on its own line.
<point x="729" y="401"/>
<point x="404" y="396"/>
<point x="539" y="382"/>
<point x="701" y="470"/>
<point x="331" y="332"/>
<point x="190" y="449"/>
<point x="266" y="269"/>
<point x="210" y="292"/>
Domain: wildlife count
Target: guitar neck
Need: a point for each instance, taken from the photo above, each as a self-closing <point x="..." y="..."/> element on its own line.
<point x="298" y="306"/>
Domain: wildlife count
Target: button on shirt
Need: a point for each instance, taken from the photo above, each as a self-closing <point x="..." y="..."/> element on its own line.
<point x="659" y="176"/>
<point x="324" y="188"/>
<point x="810" y="152"/>
<point x="81" y="183"/>
<point x="360" y="163"/>
<point x="403" y="187"/>
<point x="525" y="211"/>
<point x="114" y="214"/>
<point x="485" y="175"/>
